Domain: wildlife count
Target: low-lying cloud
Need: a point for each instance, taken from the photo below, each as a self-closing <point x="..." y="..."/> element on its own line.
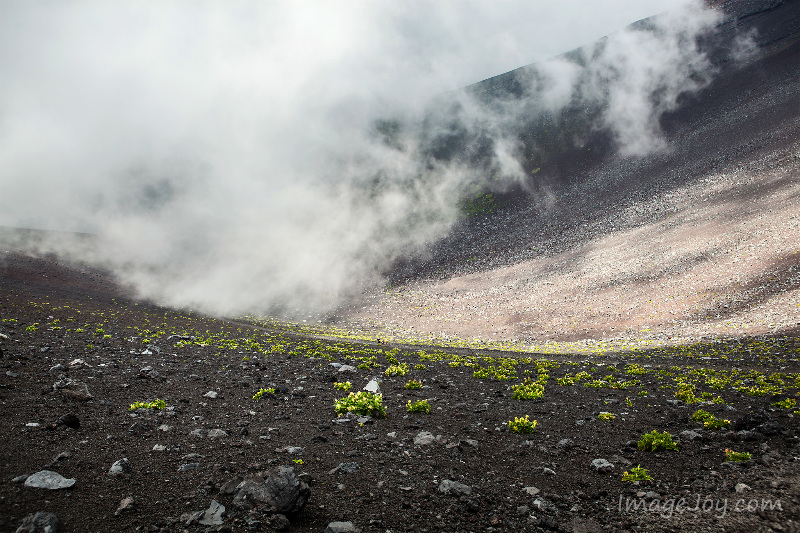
<point x="250" y="157"/>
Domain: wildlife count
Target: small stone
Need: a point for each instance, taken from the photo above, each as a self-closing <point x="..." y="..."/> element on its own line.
<point x="33" y="425"/>
<point x="123" y="466"/>
<point x="532" y="491"/>
<point x="126" y="504"/>
<point x="347" y="368"/>
<point x="565" y="444"/>
<point x="344" y="468"/>
<point x="164" y="427"/>
<point x="199" y="432"/>
<point x="279" y="522"/>
<point x="741" y="488"/>
<point x="691" y="435"/>
<point x="523" y="510"/>
<point x="392" y="434"/>
<point x="341" y="527"/>
<point x="47" y="479"/>
<point x="159" y="448"/>
<point x="217" y="433"/>
<point x="186" y="467"/>
<point x="213" y="515"/>
<point x="41" y="522"/>
<point x="548" y="471"/>
<point x="211" y="394"/>
<point x="447" y="486"/>
<point x="602" y="466"/>
<point x="19" y="479"/>
<point x="424" y="438"/>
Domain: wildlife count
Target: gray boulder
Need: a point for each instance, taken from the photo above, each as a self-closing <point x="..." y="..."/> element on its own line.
<point x="279" y="491"/>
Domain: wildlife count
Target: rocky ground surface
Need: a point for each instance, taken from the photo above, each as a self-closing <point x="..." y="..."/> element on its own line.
<point x="76" y="355"/>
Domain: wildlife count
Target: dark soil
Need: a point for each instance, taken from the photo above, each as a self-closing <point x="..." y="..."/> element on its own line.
<point x="395" y="486"/>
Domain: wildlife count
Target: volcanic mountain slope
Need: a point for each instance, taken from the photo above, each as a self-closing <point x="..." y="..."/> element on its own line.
<point x="701" y="238"/>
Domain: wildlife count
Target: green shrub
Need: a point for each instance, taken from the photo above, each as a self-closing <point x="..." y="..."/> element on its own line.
<point x="529" y="390"/>
<point x="413" y="384"/>
<point x="737" y="457"/>
<point x="522" y="425"/>
<point x="343" y="386"/>
<point x="362" y="403"/>
<point x="421" y="406"/>
<point x="708" y="420"/>
<point x="654" y="440"/>
<point x="637" y="473"/>
<point x="261" y="392"/>
<point x="397" y="370"/>
<point x="155" y="404"/>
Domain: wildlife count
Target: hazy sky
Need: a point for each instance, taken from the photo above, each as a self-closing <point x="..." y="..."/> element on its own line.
<point x="193" y="136"/>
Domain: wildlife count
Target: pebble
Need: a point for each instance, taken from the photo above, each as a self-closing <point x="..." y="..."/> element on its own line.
<point x="211" y="394"/>
<point x="217" y="433"/>
<point x="531" y="491"/>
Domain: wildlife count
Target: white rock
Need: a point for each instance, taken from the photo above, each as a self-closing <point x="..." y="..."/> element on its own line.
<point x="211" y="394"/>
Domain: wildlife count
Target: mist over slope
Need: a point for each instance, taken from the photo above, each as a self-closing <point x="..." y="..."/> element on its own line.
<point x="219" y="197"/>
<point x="697" y="237"/>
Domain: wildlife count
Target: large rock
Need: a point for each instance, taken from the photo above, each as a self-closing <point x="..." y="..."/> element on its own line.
<point x="40" y="522"/>
<point x="47" y="479"/>
<point x="279" y="491"/>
